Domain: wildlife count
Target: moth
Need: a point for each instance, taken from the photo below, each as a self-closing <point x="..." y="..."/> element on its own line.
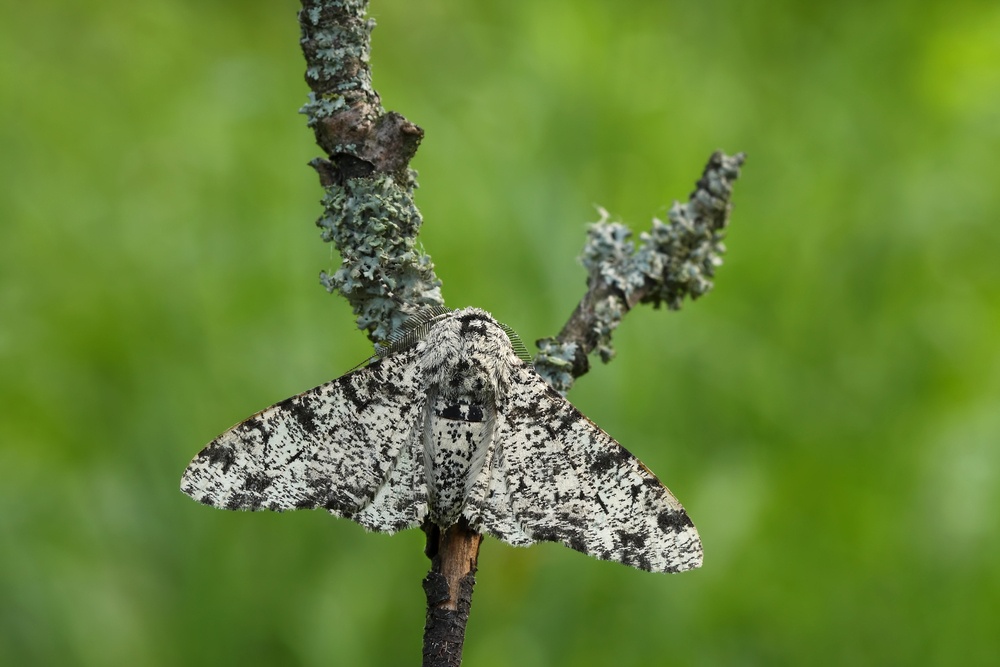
<point x="447" y="421"/>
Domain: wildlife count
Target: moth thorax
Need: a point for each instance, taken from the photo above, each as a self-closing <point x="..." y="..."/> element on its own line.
<point x="469" y="367"/>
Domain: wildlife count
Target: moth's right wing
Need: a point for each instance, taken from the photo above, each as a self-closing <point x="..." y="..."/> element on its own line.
<point x="351" y="446"/>
<point x="553" y="475"/>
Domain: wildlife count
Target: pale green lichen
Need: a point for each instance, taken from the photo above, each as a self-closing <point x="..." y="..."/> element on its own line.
<point x="672" y="261"/>
<point x="322" y="107"/>
<point x="608" y="314"/>
<point x="374" y="224"/>
<point x="679" y="259"/>
<point x="368" y="209"/>
<point x="608" y="253"/>
<point x="554" y="362"/>
<point x="336" y="38"/>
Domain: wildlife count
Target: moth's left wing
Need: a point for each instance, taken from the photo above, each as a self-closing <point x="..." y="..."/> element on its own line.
<point x="553" y="475"/>
<point x="351" y="446"/>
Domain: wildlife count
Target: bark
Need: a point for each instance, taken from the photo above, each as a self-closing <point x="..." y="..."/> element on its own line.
<point x="453" y="552"/>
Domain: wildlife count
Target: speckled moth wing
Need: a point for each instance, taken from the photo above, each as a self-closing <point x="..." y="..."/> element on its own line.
<point x="352" y="446"/>
<point x="450" y="423"/>
<point x="553" y="475"/>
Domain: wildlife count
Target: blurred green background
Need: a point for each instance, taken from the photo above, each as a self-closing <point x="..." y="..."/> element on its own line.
<point x="830" y="414"/>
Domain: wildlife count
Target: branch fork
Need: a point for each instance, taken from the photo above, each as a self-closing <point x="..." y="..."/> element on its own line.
<point x="370" y="215"/>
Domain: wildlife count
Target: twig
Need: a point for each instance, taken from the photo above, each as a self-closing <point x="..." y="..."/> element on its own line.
<point x="369" y="212"/>
<point x="448" y="586"/>
<point x="673" y="261"/>
<point x="370" y="216"/>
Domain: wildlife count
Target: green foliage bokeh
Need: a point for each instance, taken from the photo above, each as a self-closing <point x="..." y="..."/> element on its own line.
<point x="830" y="414"/>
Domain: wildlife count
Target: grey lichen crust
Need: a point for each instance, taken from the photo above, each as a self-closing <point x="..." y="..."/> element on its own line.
<point x="554" y="362"/>
<point x="374" y="224"/>
<point x="679" y="259"/>
<point x="336" y="39"/>
<point x="673" y="260"/>
<point x="368" y="208"/>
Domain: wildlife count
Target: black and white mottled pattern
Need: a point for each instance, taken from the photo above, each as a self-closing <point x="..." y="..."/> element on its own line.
<point x="454" y="425"/>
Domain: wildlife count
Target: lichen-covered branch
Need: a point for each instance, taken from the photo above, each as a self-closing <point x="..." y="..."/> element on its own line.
<point x="370" y="215"/>
<point x="673" y="261"/>
<point x="368" y="209"/>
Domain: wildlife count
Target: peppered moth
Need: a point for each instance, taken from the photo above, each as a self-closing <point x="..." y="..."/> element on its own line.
<point x="448" y="422"/>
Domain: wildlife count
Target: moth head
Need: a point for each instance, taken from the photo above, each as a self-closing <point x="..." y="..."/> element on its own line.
<point x="468" y="353"/>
